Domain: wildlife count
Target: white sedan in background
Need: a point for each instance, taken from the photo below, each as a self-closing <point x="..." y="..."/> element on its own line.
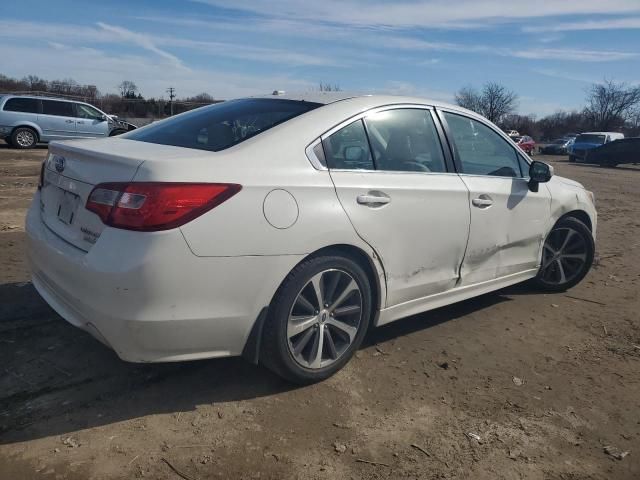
<point x="283" y="228"/>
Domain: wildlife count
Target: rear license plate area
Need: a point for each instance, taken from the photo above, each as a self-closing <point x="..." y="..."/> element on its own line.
<point x="67" y="206"/>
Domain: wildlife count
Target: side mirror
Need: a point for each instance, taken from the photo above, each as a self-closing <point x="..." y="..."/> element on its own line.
<point x="539" y="172"/>
<point x="104" y="118"/>
<point x="353" y="153"/>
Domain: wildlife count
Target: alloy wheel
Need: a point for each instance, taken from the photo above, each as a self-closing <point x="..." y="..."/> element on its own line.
<point x="25" y="138"/>
<point x="324" y="319"/>
<point x="564" y="256"/>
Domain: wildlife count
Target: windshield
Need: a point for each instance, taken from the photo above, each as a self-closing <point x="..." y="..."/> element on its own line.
<point x="590" y="138"/>
<point x="222" y="125"/>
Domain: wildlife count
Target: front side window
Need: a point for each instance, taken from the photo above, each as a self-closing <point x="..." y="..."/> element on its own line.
<point x="26" y="105"/>
<point x="220" y="126"/>
<point x="85" y="111"/>
<point x="60" y="109"/>
<point x="348" y="148"/>
<point x="481" y="150"/>
<point x="405" y="140"/>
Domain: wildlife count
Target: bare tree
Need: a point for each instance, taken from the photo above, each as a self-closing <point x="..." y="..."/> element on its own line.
<point x="128" y="89"/>
<point x="326" y="87"/>
<point x="610" y="105"/>
<point x="35" y="83"/>
<point x="494" y="101"/>
<point x="203" y="97"/>
<point x="469" y="98"/>
<point x="635" y="119"/>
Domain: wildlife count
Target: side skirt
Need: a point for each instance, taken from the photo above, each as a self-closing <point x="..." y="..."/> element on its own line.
<point x="454" y="295"/>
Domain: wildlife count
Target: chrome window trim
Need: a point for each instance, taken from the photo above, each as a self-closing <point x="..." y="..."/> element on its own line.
<point x="360" y="116"/>
<point x="312" y="157"/>
<point x="491" y="176"/>
<point x="371" y="111"/>
<point x="403" y="172"/>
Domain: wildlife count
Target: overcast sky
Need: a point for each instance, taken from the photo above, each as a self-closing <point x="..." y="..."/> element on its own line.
<point x="548" y="51"/>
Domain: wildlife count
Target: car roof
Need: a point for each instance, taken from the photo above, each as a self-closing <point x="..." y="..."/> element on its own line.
<point x="327" y="98"/>
<point x="39" y="97"/>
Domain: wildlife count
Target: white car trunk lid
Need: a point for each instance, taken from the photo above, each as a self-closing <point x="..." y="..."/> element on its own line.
<point x="72" y="169"/>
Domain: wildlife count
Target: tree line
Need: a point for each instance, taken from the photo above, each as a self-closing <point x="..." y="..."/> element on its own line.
<point x="129" y="103"/>
<point x="609" y="106"/>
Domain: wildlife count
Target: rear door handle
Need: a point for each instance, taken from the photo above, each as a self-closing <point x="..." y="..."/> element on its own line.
<point x="373" y="199"/>
<point x="69" y="121"/>
<point x="483" y="201"/>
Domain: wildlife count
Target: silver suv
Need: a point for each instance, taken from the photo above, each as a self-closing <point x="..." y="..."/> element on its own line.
<point x="27" y="120"/>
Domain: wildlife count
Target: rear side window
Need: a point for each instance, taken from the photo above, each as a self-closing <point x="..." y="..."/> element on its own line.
<point x="26" y="105"/>
<point x="405" y="140"/>
<point x="223" y="125"/>
<point x="348" y="148"/>
<point x="60" y="109"/>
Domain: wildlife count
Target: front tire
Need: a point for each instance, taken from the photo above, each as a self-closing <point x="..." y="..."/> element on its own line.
<point x="24" y="137"/>
<point x="567" y="256"/>
<point x="318" y="319"/>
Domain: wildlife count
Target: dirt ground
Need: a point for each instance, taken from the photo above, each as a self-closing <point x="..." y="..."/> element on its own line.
<point x="514" y="384"/>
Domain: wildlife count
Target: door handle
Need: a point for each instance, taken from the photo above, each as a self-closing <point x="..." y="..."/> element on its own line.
<point x="483" y="201"/>
<point x="80" y="123"/>
<point x="69" y="121"/>
<point x="373" y="199"/>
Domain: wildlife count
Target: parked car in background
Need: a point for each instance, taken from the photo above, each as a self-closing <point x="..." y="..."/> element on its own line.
<point x="28" y="120"/>
<point x="615" y="153"/>
<point x="281" y="229"/>
<point x="512" y="133"/>
<point x="559" y="146"/>
<point x="526" y="143"/>
<point x="588" y="141"/>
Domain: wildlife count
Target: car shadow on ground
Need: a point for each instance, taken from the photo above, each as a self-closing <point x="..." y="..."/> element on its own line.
<point x="5" y="146"/>
<point x="605" y="167"/>
<point x="57" y="379"/>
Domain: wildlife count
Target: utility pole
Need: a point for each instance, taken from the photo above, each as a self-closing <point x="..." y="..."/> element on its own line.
<point x="172" y="95"/>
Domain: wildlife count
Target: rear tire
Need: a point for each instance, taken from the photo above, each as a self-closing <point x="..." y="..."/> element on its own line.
<point x="567" y="256"/>
<point x="317" y="319"/>
<point x="24" y="137"/>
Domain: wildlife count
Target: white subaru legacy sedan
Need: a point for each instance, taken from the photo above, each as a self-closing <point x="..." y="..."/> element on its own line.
<point x="283" y="228"/>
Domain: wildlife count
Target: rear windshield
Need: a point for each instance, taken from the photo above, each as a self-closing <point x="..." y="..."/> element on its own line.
<point x="588" y="138"/>
<point x="223" y="125"/>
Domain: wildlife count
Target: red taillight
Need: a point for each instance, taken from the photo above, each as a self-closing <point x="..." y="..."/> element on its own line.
<point x="154" y="206"/>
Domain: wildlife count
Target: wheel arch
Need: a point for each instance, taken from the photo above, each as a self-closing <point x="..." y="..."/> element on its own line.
<point x="580" y="215"/>
<point x="365" y="261"/>
<point x="29" y="125"/>
<point x="375" y="274"/>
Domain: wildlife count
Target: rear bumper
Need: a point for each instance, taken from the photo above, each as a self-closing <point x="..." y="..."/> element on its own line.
<point x="147" y="296"/>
